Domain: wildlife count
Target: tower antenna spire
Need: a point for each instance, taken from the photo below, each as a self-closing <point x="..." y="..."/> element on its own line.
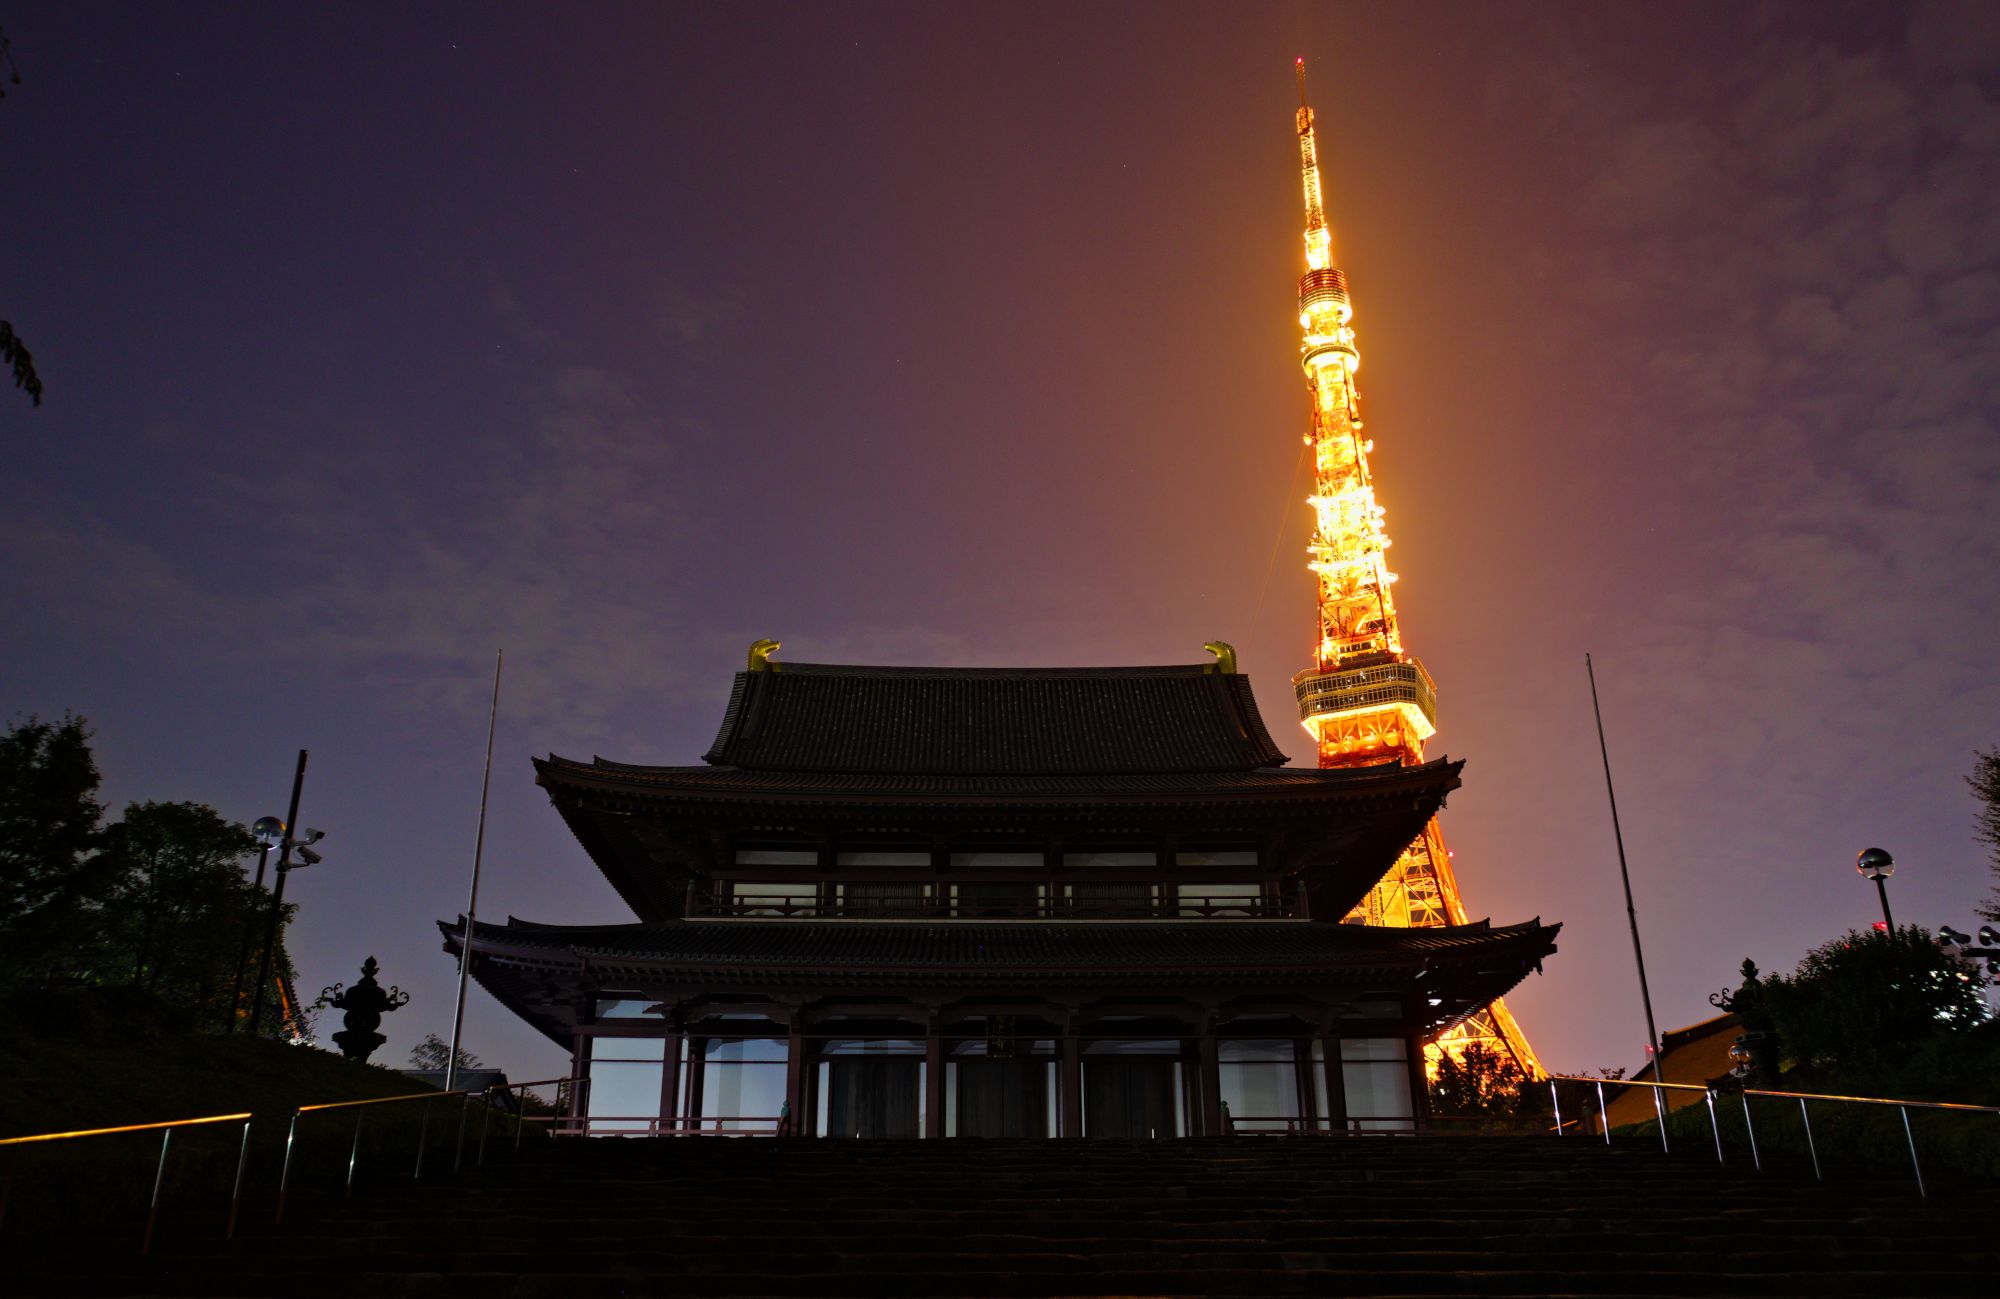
<point x="1365" y="700"/>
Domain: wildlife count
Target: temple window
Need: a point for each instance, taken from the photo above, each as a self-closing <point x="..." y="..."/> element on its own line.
<point x="1093" y="859"/>
<point x="1375" y="1071"/>
<point x="1261" y="1083"/>
<point x="617" y="1007"/>
<point x="743" y="1084"/>
<point x="625" y="1076"/>
<point x="1208" y="857"/>
<point x="777" y="857"/>
<point x="1210" y="900"/>
<point x="877" y="857"/>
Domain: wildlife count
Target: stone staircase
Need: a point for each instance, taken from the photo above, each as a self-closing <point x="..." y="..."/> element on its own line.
<point x="1367" y="1216"/>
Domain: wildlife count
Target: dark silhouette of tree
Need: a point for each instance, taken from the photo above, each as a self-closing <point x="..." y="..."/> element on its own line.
<point x="50" y="872"/>
<point x="176" y="904"/>
<point x="1478" y="1082"/>
<point x="434" y="1051"/>
<point x="13" y="352"/>
<point x="1858" y="1006"/>
<point x="1985" y="782"/>
<point x="157" y="901"/>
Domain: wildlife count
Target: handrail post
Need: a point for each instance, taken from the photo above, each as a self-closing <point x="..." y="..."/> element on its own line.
<point x="1805" y="1121"/>
<point x="1708" y="1094"/>
<point x="1555" y="1103"/>
<point x="423" y="1137"/>
<point x="1911" y="1137"/>
<point x="458" y="1146"/>
<point x="354" y="1155"/>
<point x="285" y="1176"/>
<point x="519" y="1126"/>
<point x="1751" y="1129"/>
<point x="1603" y="1116"/>
<point x="159" y="1177"/>
<point x="1660" y="1113"/>
<point x="236" y="1190"/>
<point x="485" y="1122"/>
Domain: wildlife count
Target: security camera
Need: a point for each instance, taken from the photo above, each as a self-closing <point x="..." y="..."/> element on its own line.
<point x="311" y="836"/>
<point x="309" y="858"/>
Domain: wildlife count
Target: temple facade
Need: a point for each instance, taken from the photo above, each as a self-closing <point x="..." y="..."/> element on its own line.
<point x="941" y="902"/>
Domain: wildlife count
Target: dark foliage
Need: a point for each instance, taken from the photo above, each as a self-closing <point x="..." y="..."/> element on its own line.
<point x="49" y="835"/>
<point x="1477" y="1083"/>
<point x="434" y="1053"/>
<point x="155" y="902"/>
<point x="14" y="353"/>
<point x="1985" y="783"/>
<point x="1858" y="1007"/>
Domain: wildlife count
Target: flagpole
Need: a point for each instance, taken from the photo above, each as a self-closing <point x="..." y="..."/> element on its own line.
<point x="1631" y="913"/>
<point x="472" y="901"/>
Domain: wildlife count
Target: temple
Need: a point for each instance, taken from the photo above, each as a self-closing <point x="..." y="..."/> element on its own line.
<point x="945" y="902"/>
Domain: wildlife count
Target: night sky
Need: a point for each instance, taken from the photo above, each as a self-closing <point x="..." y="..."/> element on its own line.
<point x="622" y="335"/>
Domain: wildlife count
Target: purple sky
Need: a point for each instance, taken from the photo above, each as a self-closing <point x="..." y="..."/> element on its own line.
<point x="622" y="335"/>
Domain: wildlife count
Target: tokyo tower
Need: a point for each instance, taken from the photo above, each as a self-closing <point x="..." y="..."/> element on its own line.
<point x="1367" y="701"/>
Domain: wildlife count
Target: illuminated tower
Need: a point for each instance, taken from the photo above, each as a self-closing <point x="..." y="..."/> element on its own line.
<point x="1366" y="701"/>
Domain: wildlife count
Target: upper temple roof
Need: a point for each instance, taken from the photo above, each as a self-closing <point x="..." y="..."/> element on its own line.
<point x="813" y="717"/>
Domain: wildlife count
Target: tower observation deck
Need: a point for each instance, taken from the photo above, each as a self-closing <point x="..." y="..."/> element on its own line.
<point x="1366" y="701"/>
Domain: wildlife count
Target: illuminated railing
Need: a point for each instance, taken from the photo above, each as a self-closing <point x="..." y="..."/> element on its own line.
<point x="1902" y="1108"/>
<point x="166" y="1131"/>
<point x="806" y="904"/>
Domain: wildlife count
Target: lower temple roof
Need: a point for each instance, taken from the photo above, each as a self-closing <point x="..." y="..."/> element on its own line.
<point x="542" y="971"/>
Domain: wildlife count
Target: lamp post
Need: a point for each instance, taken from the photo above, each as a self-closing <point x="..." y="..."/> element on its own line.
<point x="270" y="832"/>
<point x="1877" y="865"/>
<point x="285" y="867"/>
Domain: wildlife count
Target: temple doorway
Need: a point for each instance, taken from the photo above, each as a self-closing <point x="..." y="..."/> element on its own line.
<point x="1133" y="1089"/>
<point x="1001" y="1098"/>
<point x="871" y="1089"/>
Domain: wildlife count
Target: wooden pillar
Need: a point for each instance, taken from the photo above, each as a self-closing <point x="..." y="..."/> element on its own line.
<point x="1420" y="1092"/>
<point x="1211" y="1080"/>
<point x="697" y="1055"/>
<point x="1070" y="1084"/>
<point x="795" y="1073"/>
<point x="670" y="1083"/>
<point x="579" y="1068"/>
<point x="1336" y="1081"/>
<point x="933" y="1078"/>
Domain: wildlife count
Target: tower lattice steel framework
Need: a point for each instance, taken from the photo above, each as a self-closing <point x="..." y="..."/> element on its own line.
<point x="1366" y="701"/>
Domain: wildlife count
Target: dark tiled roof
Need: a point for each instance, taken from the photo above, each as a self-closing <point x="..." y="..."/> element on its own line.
<point x="990" y="947"/>
<point x="735" y="782"/>
<point x="806" y="717"/>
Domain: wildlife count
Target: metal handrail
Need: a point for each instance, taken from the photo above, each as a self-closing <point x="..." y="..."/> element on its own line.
<point x="1902" y="1107"/>
<point x="354" y="1154"/>
<point x="520" y="1120"/>
<point x="166" y="1130"/>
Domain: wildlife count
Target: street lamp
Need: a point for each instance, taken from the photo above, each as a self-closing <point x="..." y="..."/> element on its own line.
<point x="286" y="845"/>
<point x="1877" y="865"/>
<point x="269" y="832"/>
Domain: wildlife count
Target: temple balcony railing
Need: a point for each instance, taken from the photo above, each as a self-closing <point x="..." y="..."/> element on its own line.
<point x="913" y="902"/>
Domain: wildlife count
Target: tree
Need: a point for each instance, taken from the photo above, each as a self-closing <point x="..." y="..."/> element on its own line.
<point x="1858" y="1006"/>
<point x="13" y="352"/>
<point x="434" y="1051"/>
<point x="1985" y="783"/>
<point x="177" y="904"/>
<point x="49" y="817"/>
<point x="1478" y="1081"/>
